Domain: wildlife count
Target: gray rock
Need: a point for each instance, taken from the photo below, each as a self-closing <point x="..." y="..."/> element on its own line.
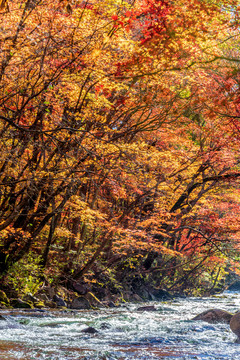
<point x="89" y="330"/>
<point x="2" y="317"/>
<point x="59" y="301"/>
<point x="146" y="308"/>
<point x="80" y="303"/>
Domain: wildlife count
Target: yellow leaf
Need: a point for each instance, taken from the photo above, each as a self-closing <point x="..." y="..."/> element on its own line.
<point x="3" y="4"/>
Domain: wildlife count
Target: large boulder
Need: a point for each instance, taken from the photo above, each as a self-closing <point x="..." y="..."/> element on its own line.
<point x="80" y="303"/>
<point x="29" y="298"/>
<point x="235" y="325"/>
<point x="214" y="316"/>
<point x="20" y="304"/>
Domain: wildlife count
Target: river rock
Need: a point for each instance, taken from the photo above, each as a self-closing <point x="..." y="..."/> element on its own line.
<point x="214" y="316"/>
<point x="20" y="304"/>
<point x="59" y="301"/>
<point x="46" y="290"/>
<point x="80" y="303"/>
<point x="89" y="330"/>
<point x="2" y="317"/>
<point x="235" y="326"/>
<point x="32" y="299"/>
<point x="147" y="308"/>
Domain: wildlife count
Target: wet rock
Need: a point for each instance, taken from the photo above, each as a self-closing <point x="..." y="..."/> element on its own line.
<point x="20" y="304"/>
<point x="235" y="286"/>
<point x="89" y="330"/>
<point x="2" y="318"/>
<point x="235" y="326"/>
<point x="59" y="301"/>
<point x="80" y="303"/>
<point x="146" y="308"/>
<point x="214" y="316"/>
<point x="24" y="321"/>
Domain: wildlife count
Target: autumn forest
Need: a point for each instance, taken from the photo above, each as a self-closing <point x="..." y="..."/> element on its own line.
<point x="120" y="145"/>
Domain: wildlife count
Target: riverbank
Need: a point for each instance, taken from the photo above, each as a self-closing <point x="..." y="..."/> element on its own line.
<point x="81" y="297"/>
<point x="61" y="297"/>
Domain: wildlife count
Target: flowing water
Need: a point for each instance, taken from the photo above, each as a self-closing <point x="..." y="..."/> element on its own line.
<point x="122" y="333"/>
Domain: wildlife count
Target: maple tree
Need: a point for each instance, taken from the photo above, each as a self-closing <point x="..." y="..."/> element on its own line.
<point x="119" y="137"/>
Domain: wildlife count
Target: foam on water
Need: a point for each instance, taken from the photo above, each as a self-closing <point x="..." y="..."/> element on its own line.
<point x="123" y="333"/>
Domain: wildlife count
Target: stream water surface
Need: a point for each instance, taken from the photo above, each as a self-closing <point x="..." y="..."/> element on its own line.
<point x="122" y="333"/>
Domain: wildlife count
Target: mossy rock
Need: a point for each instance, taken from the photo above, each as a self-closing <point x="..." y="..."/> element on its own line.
<point x="4" y="305"/>
<point x="3" y="298"/>
<point x="39" y="304"/>
<point x="29" y="298"/>
<point x="20" y="304"/>
<point x="50" y="304"/>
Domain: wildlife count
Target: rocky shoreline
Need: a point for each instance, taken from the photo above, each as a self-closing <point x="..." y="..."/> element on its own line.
<point x="49" y="297"/>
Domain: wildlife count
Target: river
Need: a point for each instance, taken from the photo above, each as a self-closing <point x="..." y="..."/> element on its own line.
<point x="122" y="333"/>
